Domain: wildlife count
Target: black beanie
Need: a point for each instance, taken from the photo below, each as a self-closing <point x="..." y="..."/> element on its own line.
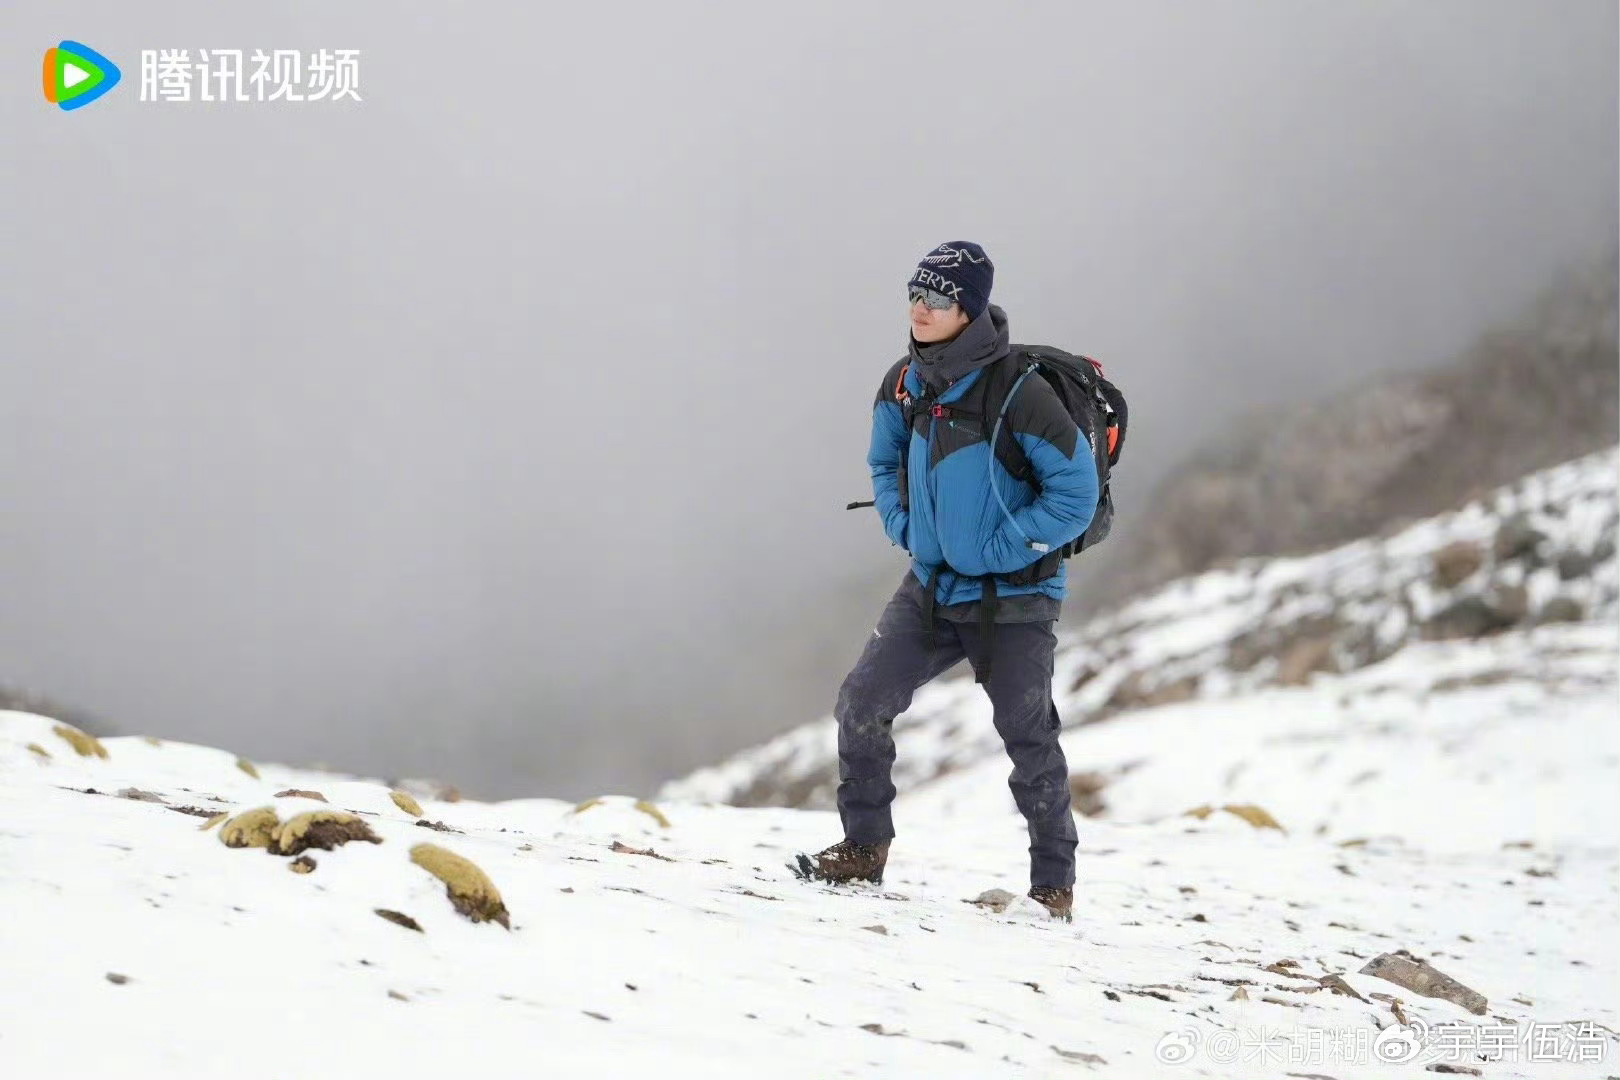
<point x="960" y="270"/>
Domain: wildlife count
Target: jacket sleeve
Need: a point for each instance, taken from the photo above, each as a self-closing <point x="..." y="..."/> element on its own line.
<point x="1062" y="459"/>
<point x="890" y="439"/>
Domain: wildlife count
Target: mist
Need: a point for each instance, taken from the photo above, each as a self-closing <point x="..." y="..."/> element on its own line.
<point x="499" y="427"/>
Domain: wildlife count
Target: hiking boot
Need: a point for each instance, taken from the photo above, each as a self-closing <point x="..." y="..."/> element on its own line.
<point x="1056" y="899"/>
<point x="847" y="861"/>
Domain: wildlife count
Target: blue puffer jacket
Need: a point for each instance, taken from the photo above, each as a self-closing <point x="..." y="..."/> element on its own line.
<point x="955" y="529"/>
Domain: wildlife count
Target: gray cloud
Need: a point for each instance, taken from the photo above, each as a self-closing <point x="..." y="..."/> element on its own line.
<point x="500" y="427"/>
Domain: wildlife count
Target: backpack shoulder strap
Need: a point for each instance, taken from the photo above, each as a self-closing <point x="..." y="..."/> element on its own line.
<point x="894" y="382"/>
<point x="998" y="398"/>
<point x="1023" y="372"/>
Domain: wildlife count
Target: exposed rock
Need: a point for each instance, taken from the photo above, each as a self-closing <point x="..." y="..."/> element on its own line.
<point x="1575" y="564"/>
<point x="1133" y="693"/>
<point x="1086" y="673"/>
<point x="399" y="918"/>
<point x="1336" y="983"/>
<point x="1456" y="563"/>
<point x="762" y="896"/>
<point x="626" y="849"/>
<point x="436" y="826"/>
<point x="300" y="793"/>
<point x="1560" y="609"/>
<point x="1477" y="616"/>
<point x="997" y="900"/>
<point x="1420" y="977"/>
<point x="1512" y="602"/>
<point x="1085" y="791"/>
<point x="1517" y="539"/>
<point x="137" y="795"/>
<point x="193" y="811"/>
<point x="302" y="865"/>
<point x="116" y="979"/>
<point x="1303" y="659"/>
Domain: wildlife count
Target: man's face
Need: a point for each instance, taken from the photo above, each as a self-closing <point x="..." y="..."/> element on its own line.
<point x="929" y="325"/>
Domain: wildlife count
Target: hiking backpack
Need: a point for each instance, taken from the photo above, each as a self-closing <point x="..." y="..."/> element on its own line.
<point x="1097" y="408"/>
<point x="1091" y="400"/>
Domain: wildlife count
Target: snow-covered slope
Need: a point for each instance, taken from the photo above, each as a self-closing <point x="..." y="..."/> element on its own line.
<point x="1472" y="824"/>
<point x="1456" y="799"/>
<point x="1539" y="551"/>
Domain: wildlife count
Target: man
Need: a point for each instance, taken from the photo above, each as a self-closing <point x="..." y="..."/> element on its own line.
<point x="975" y="534"/>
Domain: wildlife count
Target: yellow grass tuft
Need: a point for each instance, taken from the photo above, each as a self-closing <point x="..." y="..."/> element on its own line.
<point x="324" y="829"/>
<point x="251" y="829"/>
<point x="469" y="888"/>
<point x="1254" y="815"/>
<point x="86" y="745"/>
<point x="406" y="803"/>
<point x="653" y="812"/>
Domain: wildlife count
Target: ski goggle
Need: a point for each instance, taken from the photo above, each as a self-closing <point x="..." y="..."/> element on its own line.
<point x="933" y="300"/>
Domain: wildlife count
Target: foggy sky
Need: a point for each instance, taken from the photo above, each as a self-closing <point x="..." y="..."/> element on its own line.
<point x="499" y="428"/>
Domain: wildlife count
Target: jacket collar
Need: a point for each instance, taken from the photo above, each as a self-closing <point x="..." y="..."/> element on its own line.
<point x="981" y="343"/>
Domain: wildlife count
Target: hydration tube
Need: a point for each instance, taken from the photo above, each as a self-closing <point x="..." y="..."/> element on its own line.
<point x="995" y="437"/>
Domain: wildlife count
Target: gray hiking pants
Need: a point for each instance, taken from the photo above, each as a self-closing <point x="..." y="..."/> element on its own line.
<point x="896" y="661"/>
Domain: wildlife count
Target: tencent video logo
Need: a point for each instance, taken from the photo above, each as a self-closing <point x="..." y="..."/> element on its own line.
<point x="76" y="75"/>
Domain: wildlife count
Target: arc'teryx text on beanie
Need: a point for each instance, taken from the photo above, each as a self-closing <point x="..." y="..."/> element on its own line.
<point x="960" y="270"/>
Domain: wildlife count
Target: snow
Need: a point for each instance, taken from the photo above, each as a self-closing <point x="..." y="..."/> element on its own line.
<point x="1521" y="751"/>
<point x="1456" y="799"/>
<point x="1417" y="795"/>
